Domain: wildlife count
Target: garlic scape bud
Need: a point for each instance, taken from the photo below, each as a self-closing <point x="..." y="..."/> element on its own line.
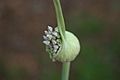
<point x="62" y="50"/>
<point x="61" y="45"/>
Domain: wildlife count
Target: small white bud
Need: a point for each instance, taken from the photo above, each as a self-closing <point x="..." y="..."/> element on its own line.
<point x="50" y="28"/>
<point x="46" y="32"/>
<point x="56" y="47"/>
<point x="49" y="36"/>
<point x="46" y="42"/>
<point x="54" y="42"/>
<point x="44" y="37"/>
<point x="55" y="33"/>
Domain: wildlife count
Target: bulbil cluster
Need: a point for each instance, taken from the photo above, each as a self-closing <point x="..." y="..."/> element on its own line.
<point x="52" y="40"/>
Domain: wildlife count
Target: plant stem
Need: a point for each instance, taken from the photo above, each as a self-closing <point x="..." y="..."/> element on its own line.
<point x="60" y="18"/>
<point x="61" y="27"/>
<point x="65" y="70"/>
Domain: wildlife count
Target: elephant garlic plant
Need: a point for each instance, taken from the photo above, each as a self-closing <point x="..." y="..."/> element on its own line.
<point x="62" y="45"/>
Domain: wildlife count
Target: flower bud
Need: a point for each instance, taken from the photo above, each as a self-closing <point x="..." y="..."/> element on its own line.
<point x="58" y="49"/>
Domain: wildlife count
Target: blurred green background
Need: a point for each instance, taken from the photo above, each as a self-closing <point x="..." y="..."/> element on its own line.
<point x="95" y="22"/>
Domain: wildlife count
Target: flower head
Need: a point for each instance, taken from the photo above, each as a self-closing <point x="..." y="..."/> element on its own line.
<point x="58" y="49"/>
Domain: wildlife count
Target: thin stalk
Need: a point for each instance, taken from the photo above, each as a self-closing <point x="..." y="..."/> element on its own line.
<point x="60" y="18"/>
<point x="61" y="27"/>
<point x="65" y="70"/>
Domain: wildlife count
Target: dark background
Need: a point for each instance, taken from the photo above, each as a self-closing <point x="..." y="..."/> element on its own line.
<point x="95" y="22"/>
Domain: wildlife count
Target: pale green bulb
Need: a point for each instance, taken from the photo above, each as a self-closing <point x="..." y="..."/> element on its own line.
<point x="70" y="48"/>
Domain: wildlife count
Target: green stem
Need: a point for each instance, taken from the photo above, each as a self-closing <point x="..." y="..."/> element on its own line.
<point x="60" y="18"/>
<point x="65" y="71"/>
<point x="61" y="27"/>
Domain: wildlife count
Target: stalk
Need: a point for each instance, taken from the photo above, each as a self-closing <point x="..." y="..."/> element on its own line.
<point x="61" y="27"/>
<point x="65" y="71"/>
<point x="60" y="18"/>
